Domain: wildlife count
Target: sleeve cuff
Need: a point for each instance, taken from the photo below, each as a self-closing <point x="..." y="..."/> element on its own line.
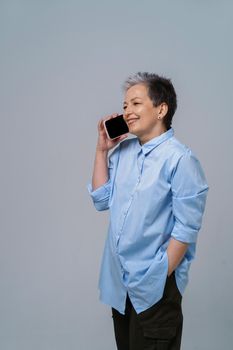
<point x="100" y="195"/>
<point x="184" y="234"/>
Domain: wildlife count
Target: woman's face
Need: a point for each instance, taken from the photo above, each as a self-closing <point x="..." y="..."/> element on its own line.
<point x="140" y="114"/>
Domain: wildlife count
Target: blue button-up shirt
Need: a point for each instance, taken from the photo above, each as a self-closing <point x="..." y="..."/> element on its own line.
<point x="155" y="191"/>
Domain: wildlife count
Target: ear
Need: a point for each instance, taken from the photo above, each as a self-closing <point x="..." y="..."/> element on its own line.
<point x="162" y="110"/>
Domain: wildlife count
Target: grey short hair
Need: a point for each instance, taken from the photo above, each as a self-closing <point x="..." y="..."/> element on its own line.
<point x="138" y="78"/>
<point x="160" y="89"/>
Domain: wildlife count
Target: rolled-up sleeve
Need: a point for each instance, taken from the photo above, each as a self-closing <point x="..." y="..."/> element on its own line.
<point x="189" y="192"/>
<point x="101" y="195"/>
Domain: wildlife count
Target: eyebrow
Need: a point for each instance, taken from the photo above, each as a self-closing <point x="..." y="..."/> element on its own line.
<point x="132" y="99"/>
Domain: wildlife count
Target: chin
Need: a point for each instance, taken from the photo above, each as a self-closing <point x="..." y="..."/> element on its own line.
<point x="136" y="132"/>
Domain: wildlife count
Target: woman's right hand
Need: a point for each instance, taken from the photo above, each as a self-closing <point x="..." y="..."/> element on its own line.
<point x="104" y="143"/>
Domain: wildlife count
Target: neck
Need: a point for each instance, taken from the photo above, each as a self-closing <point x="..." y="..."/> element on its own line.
<point x="146" y="138"/>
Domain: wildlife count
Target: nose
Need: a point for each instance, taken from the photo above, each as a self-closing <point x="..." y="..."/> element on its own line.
<point x="127" y="110"/>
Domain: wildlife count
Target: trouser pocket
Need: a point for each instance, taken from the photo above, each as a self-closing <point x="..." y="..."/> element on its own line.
<point x="162" y="322"/>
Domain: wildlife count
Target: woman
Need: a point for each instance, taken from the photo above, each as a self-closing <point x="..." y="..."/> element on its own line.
<point x="156" y="190"/>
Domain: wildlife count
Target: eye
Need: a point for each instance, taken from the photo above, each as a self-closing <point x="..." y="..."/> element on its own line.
<point x="124" y="107"/>
<point x="136" y="103"/>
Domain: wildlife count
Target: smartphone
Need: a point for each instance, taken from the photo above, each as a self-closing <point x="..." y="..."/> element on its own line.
<point x="116" y="127"/>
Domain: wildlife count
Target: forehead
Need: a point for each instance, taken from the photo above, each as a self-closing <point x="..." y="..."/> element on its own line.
<point x="138" y="90"/>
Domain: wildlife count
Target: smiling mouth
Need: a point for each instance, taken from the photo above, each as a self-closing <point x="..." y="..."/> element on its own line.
<point x="132" y="121"/>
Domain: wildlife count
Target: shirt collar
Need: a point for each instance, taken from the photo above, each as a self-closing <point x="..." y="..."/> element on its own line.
<point x="156" y="141"/>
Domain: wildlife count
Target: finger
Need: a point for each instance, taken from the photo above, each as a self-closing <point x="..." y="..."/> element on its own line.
<point x="124" y="136"/>
<point x="114" y="115"/>
<point x="120" y="138"/>
<point x="100" y="123"/>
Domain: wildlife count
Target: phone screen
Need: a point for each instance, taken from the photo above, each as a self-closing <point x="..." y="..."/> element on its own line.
<point x="116" y="126"/>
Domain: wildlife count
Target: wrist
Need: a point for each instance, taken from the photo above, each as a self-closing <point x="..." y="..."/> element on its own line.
<point x="101" y="151"/>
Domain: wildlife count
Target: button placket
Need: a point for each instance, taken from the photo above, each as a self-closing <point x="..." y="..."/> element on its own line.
<point x="140" y="162"/>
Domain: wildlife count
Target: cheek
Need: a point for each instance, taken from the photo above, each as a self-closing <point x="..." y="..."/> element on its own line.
<point x="148" y="122"/>
<point x="140" y="110"/>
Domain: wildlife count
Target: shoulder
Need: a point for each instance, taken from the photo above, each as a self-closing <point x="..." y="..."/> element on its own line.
<point x="129" y="142"/>
<point x="176" y="147"/>
<point x="178" y="150"/>
<point x="182" y="160"/>
<point x="124" y="146"/>
<point x="186" y="165"/>
<point x="128" y="146"/>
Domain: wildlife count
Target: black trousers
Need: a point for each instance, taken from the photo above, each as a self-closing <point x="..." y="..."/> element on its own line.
<point x="157" y="328"/>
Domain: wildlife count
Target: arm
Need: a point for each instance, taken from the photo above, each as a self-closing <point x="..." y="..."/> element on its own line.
<point x="175" y="252"/>
<point x="100" y="187"/>
<point x="189" y="191"/>
<point x="100" y="172"/>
